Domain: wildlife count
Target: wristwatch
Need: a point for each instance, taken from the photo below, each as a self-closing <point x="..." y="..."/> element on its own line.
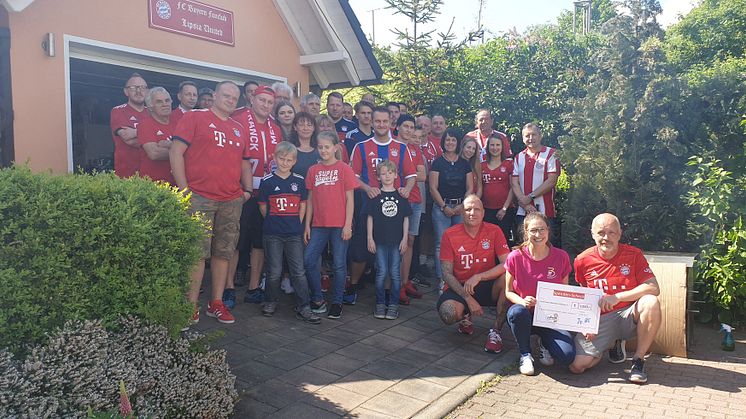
<point x="531" y="195"/>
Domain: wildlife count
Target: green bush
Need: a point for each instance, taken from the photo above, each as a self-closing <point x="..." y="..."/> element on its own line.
<point x="77" y="247"/>
<point x="78" y="370"/>
<point x="720" y="197"/>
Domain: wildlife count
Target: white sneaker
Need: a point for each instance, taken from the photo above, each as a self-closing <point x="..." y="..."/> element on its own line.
<point x="286" y="287"/>
<point x="526" y="366"/>
<point x="545" y="358"/>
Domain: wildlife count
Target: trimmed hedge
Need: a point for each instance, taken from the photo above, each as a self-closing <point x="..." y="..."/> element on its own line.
<point x="77" y="247"/>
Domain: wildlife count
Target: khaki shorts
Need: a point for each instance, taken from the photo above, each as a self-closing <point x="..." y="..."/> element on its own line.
<point x="222" y="225"/>
<point x="614" y="325"/>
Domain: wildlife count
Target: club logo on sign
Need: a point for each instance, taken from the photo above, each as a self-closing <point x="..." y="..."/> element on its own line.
<point x="164" y="9"/>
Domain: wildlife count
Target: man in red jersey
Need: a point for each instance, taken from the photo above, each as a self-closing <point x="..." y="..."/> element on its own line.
<point x="483" y="123"/>
<point x="264" y="135"/>
<point x="630" y="306"/>
<point x="472" y="256"/>
<point x="439" y="127"/>
<point x="187" y="99"/>
<point x="154" y="136"/>
<point x="124" y="120"/>
<point x="431" y="149"/>
<point x="535" y="173"/>
<point x="365" y="158"/>
<point x="210" y="157"/>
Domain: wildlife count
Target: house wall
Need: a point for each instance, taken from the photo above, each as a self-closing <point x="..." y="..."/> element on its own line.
<point x="262" y="43"/>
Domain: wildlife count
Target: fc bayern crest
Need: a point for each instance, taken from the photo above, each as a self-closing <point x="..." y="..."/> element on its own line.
<point x="294" y="187"/>
<point x="237" y="132"/>
<point x="485" y="244"/>
<point x="624" y="269"/>
<point x="163" y="9"/>
<point x="394" y="153"/>
<point x="503" y="170"/>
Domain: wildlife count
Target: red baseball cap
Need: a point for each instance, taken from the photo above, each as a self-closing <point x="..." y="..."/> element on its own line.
<point x="264" y="90"/>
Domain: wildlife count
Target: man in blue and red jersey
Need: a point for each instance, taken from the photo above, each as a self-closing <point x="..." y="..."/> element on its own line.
<point x="209" y="156"/>
<point x="472" y="255"/>
<point x="365" y="159"/>
<point x="630" y="306"/>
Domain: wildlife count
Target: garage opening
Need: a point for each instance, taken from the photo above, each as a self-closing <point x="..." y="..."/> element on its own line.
<point x="97" y="73"/>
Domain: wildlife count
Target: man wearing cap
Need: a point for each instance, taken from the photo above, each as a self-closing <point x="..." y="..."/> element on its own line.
<point x="124" y="120"/>
<point x="210" y="157"/>
<point x="263" y="136"/>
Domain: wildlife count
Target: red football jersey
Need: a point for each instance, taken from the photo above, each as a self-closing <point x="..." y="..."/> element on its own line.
<point x="472" y="255"/>
<point x="415" y="153"/>
<point x="482" y="141"/>
<point x="626" y="270"/>
<point x="177" y="113"/>
<point x="213" y="159"/>
<point x="152" y="131"/>
<point x="126" y="158"/>
<point x="263" y="138"/>
<point x="367" y="154"/>
<point x="496" y="184"/>
<point x="329" y="185"/>
<point x="532" y="171"/>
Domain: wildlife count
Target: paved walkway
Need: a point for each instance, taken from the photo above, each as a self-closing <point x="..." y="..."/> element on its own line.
<point x="359" y="366"/>
<point x="710" y="384"/>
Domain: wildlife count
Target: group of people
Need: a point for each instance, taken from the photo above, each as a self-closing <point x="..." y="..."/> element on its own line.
<point x="294" y="188"/>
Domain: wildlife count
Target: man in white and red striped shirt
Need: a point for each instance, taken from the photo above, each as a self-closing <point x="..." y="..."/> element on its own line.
<point x="535" y="173"/>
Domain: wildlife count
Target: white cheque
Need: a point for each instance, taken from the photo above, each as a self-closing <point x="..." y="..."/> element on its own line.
<point x="565" y="307"/>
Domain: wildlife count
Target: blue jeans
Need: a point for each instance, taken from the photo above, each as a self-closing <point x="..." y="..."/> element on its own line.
<point x="388" y="261"/>
<point x="559" y="342"/>
<point x="320" y="236"/>
<point x="440" y="223"/>
<point x="290" y="248"/>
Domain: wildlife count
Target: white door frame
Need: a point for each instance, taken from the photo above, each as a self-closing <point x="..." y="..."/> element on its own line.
<point x="122" y="55"/>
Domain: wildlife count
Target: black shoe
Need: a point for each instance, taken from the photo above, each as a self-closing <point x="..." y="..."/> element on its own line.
<point x="421" y="281"/>
<point x="335" y="311"/>
<point x="637" y="374"/>
<point x="618" y="353"/>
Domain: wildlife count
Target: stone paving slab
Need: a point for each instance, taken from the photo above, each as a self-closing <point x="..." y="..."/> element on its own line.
<point x="363" y="367"/>
<point x="357" y="366"/>
<point x="709" y="384"/>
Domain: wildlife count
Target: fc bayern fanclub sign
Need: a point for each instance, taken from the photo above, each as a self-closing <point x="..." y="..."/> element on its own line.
<point x="192" y="18"/>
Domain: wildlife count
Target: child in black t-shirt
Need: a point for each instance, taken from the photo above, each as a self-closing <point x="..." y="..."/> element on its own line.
<point x="388" y="224"/>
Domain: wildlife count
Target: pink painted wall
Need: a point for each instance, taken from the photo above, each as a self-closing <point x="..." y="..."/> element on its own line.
<point x="262" y="43"/>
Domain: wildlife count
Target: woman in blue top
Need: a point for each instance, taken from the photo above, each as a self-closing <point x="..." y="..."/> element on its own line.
<point x="450" y="182"/>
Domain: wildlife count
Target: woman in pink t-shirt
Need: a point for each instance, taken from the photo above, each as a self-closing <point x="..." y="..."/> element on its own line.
<point x="533" y="261"/>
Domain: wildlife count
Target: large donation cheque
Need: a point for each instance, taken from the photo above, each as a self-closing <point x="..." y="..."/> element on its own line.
<point x="565" y="307"/>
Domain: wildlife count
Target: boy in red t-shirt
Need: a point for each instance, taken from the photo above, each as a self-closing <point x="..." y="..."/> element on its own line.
<point x="330" y="185"/>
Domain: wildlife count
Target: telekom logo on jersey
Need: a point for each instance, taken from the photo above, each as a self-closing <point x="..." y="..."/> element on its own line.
<point x="467" y="260"/>
<point x="282" y="204"/>
<point x="219" y="138"/>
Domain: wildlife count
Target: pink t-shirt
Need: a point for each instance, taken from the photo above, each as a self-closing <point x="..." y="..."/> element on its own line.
<point x="527" y="272"/>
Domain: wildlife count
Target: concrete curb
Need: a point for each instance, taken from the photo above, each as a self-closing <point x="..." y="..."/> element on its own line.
<point x="452" y="399"/>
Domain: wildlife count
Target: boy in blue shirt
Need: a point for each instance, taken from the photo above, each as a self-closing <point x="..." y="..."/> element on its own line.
<point x="282" y="202"/>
